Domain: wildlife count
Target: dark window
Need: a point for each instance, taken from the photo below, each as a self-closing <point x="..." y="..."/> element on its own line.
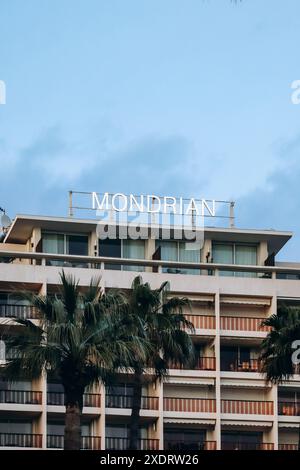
<point x="112" y="249"/>
<point x="77" y="245"/>
<point x="176" y="439"/>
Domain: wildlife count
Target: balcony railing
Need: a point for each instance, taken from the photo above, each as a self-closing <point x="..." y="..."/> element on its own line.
<point x="99" y="262"/>
<point x="251" y="365"/>
<point x="20" y="311"/>
<point x="22" y="397"/>
<point x="287" y="446"/>
<point x="122" y="443"/>
<point x="247" y="446"/>
<point x="56" y="441"/>
<point x="125" y="401"/>
<point x="193" y="405"/>
<point x="20" y="440"/>
<point x="250" y="407"/>
<point x="89" y="399"/>
<point x="242" y="324"/>
<point x="202" y="363"/>
<point x="173" y="444"/>
<point x="202" y="322"/>
<point x="289" y="408"/>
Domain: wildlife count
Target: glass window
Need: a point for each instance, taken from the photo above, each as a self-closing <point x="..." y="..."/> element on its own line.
<point x="232" y="253"/>
<point x="15" y="426"/>
<point x="168" y="250"/>
<point x="112" y="249"/>
<point x="189" y="253"/>
<point x="134" y="249"/>
<point x="223" y="253"/>
<point x="179" y="251"/>
<point x="53" y="243"/>
<point x="246" y="254"/>
<point x="77" y="245"/>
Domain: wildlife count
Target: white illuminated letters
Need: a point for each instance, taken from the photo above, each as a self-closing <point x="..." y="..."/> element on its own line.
<point x="120" y="202"/>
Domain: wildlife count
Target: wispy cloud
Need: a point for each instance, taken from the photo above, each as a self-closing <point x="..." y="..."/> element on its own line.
<point x="277" y="204"/>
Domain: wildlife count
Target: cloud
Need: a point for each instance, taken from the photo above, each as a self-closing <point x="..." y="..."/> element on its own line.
<point x="42" y="172"/>
<point x="277" y="204"/>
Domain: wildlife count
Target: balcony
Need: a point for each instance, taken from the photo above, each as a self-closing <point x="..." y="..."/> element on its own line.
<point x="22" y="397"/>
<point x="89" y="399"/>
<point x="257" y="274"/>
<point x="202" y="322"/>
<point x="122" y="443"/>
<point x="243" y="324"/>
<point x="288" y="408"/>
<point x="247" y="446"/>
<point x="20" y="311"/>
<point x="20" y="440"/>
<point x="56" y="441"/>
<point x="249" y="407"/>
<point x="125" y="401"/>
<point x="202" y="363"/>
<point x="190" y="405"/>
<point x="173" y="444"/>
<point x="251" y="365"/>
<point x="287" y="446"/>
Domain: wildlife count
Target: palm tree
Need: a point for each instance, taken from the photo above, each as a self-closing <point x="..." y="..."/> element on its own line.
<point x="277" y="348"/>
<point x="78" y="338"/>
<point x="159" y="321"/>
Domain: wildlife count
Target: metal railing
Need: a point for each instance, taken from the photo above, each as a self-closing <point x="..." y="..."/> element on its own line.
<point x="202" y="322"/>
<point x="98" y="262"/>
<point x="20" y="440"/>
<point x="242" y="324"/>
<point x="23" y="397"/>
<point x="125" y="401"/>
<point x="89" y="399"/>
<point x="122" y="443"/>
<point x="56" y="441"/>
<point x="287" y="446"/>
<point x="193" y="405"/>
<point x="19" y="311"/>
<point x="202" y="363"/>
<point x="288" y="408"/>
<point x="251" y="407"/>
<point x="247" y="446"/>
<point x="173" y="444"/>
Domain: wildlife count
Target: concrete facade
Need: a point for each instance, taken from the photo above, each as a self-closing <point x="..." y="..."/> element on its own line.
<point x="224" y="402"/>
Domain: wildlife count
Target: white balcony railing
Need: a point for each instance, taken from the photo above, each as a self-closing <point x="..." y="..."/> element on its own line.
<point x="98" y="262"/>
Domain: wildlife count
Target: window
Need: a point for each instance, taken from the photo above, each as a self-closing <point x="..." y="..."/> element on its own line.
<point x="233" y="357"/>
<point x="235" y="253"/>
<point x="116" y="248"/>
<point x="69" y="244"/>
<point x="179" y="251"/>
<point x="184" y="440"/>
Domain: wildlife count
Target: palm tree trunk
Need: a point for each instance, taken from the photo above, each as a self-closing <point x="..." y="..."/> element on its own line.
<point x="135" y="411"/>
<point x="72" y="437"/>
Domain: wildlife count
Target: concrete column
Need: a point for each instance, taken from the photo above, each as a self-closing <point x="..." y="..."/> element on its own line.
<point x="160" y="420"/>
<point x="101" y="420"/>
<point x="217" y="433"/>
<point x="262" y="253"/>
<point x="43" y="418"/>
<point x="149" y="250"/>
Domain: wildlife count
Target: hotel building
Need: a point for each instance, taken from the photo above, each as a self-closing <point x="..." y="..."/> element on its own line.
<point x="233" y="283"/>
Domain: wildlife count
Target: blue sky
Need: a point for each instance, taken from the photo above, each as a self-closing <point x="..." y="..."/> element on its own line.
<point x="167" y="97"/>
